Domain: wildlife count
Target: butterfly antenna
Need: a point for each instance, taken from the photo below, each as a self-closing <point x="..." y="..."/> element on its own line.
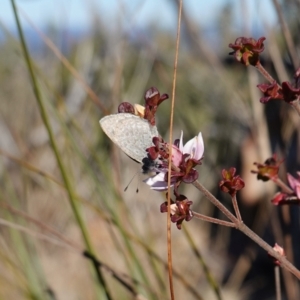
<point x="130" y="183"/>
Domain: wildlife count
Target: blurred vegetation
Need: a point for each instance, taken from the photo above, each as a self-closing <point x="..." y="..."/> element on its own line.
<point x="41" y="244"/>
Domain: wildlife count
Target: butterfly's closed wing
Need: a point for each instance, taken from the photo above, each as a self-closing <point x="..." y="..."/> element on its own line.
<point x="131" y="133"/>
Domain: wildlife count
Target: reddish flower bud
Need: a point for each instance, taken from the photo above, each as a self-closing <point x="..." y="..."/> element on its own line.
<point x="270" y="91"/>
<point x="191" y="174"/>
<point x="230" y="183"/>
<point x="268" y="170"/>
<point x="280" y="251"/>
<point x="289" y="92"/>
<point x="126" y="107"/>
<point x="293" y="197"/>
<point x="180" y="210"/>
<point x="285" y="199"/>
<point x="157" y="149"/>
<point x="152" y="100"/>
<point x="278" y="197"/>
<point x="247" y="50"/>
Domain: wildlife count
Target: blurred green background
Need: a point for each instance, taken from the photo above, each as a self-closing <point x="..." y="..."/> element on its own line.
<point x="114" y="53"/>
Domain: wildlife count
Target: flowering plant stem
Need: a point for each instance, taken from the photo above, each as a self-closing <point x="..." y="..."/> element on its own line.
<point x="246" y="230"/>
<point x="265" y="73"/>
<point x="285" y="188"/>
<point x="213" y="220"/>
<point x="277" y="282"/>
<point x="236" y="208"/>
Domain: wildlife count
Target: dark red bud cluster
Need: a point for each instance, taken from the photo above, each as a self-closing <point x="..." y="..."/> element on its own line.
<point x="180" y="210"/>
<point x="247" y="50"/>
<point x="230" y="183"/>
<point x="152" y="100"/>
<point x="268" y="170"/>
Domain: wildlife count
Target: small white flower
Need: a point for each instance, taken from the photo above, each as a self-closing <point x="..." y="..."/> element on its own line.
<point x="194" y="147"/>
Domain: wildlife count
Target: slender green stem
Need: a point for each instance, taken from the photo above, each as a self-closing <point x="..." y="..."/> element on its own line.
<point x="61" y="166"/>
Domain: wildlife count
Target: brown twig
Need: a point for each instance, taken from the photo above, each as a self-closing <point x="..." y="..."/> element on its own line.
<point x="247" y="231"/>
<point x="213" y="220"/>
<point x="287" y="35"/>
<point x="236" y="208"/>
<point x="265" y="73"/>
<point x="170" y="151"/>
<point x="295" y="104"/>
<point x="277" y="282"/>
<point x="285" y="188"/>
<point x="215" y="201"/>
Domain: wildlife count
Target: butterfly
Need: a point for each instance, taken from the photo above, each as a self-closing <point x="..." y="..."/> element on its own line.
<point x="131" y="133"/>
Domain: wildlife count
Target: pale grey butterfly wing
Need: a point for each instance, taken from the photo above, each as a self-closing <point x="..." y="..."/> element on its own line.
<point x="130" y="132"/>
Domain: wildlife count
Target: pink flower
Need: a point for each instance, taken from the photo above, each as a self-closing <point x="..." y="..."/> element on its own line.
<point x="295" y="183"/>
<point x="152" y="100"/>
<point x="282" y="198"/>
<point x="184" y="159"/>
<point x="194" y="147"/>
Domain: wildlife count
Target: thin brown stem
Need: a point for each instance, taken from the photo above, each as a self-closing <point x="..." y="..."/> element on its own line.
<point x="277" y="282"/>
<point x="236" y="208"/>
<point x="215" y="201"/>
<point x="213" y="220"/>
<point x="285" y="188"/>
<point x="170" y="151"/>
<point x="287" y="35"/>
<point x="265" y="73"/>
<point x="247" y="231"/>
<point x="258" y="240"/>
